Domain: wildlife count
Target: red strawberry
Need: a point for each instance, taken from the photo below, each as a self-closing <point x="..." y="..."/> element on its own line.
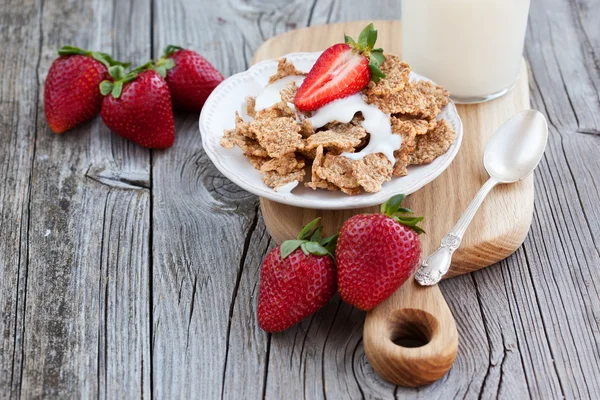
<point x="190" y="77"/>
<point x="71" y="94"/>
<point x="342" y="70"/>
<point x="138" y="107"/>
<point x="376" y="254"/>
<point x="296" y="279"/>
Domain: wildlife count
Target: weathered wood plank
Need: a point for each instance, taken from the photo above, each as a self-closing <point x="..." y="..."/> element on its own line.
<point x="217" y="223"/>
<point x="86" y="324"/>
<point x="124" y="364"/>
<point x="20" y="26"/>
<point x="563" y="252"/>
<point x="329" y="11"/>
<point x="246" y="366"/>
<point x="199" y="237"/>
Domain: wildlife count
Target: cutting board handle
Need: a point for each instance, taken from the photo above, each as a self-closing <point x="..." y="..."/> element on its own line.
<point x="411" y="339"/>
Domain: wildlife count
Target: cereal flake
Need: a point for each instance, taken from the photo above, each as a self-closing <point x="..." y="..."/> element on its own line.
<point x="396" y="76"/>
<point x="275" y="180"/>
<point x="285" y="68"/>
<point x="279" y="136"/>
<point x="283" y="165"/>
<point x="344" y="137"/>
<point x="432" y="145"/>
<point x="372" y="171"/>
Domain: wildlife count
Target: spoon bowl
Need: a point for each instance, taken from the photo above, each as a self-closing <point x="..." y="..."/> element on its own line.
<point x="517" y="147"/>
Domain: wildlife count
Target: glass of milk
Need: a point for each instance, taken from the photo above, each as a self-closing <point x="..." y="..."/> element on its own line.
<point x="471" y="47"/>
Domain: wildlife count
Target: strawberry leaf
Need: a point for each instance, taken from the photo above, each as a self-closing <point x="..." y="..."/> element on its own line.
<point x="104" y="58"/>
<point x="349" y="40"/>
<point x="168" y="63"/>
<point x="377" y="58"/>
<point x="289" y="246"/>
<point x="130" y="76"/>
<point x="311" y="241"/>
<point x="371" y="38"/>
<point x="330" y="243"/>
<point x="163" y="65"/>
<point x="306" y="231"/>
<point x="117" y="89"/>
<point x="392" y="208"/>
<point x="408" y="220"/>
<point x="329" y="239"/>
<point x="117" y="72"/>
<point x="110" y="60"/>
<point x="71" y="50"/>
<point x="411" y="223"/>
<point x="106" y="87"/>
<point x="363" y="38"/>
<point x="170" y="49"/>
<point x="376" y="73"/>
<point x="317" y="235"/>
<point x="418" y="229"/>
<point x="107" y="60"/>
<point x="162" y="71"/>
<point x="315" y="248"/>
<point x="304" y="249"/>
<point x="141" y="68"/>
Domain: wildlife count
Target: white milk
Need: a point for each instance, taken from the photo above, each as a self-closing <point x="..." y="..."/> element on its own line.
<point x="471" y="47"/>
<point x="287" y="188"/>
<point x="270" y="94"/>
<point x="377" y="123"/>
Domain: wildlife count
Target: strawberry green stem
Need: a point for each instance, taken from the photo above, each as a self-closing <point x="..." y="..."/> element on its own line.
<point x="117" y="72"/>
<point x="392" y="208"/>
<point x="364" y="45"/>
<point x="170" y="49"/>
<point x="166" y="62"/>
<point x="104" y="58"/>
<point x="311" y="241"/>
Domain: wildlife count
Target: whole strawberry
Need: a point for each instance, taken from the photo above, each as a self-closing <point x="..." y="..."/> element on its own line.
<point x="340" y="71"/>
<point x="190" y="77"/>
<point x="296" y="279"/>
<point x="376" y="254"/>
<point x="137" y="106"/>
<point x="71" y="94"/>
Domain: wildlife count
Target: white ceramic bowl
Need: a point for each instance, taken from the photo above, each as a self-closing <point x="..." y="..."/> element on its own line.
<point x="229" y="96"/>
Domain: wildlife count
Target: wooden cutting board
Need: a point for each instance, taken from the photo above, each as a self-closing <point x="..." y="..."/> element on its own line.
<point x="415" y="315"/>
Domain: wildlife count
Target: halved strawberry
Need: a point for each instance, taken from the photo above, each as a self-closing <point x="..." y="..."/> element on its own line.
<point x="342" y="70"/>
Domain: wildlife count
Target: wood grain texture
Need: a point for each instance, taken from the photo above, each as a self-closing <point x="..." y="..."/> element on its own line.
<point x="85" y="329"/>
<point x="203" y="225"/>
<point x="18" y="107"/>
<point x="528" y="326"/>
<point x="411" y="339"/>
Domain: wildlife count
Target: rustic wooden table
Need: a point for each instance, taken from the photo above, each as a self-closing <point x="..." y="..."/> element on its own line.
<point x="126" y="272"/>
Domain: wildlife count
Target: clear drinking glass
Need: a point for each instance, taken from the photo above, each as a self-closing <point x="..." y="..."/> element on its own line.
<point x="471" y="47"/>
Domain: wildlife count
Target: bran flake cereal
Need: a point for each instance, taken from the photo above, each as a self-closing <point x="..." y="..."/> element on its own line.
<point x="281" y="142"/>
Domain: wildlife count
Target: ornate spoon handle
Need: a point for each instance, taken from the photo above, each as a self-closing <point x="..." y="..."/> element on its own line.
<point x="438" y="263"/>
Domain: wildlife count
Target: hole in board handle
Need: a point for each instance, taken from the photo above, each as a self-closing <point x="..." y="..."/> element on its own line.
<point x="412" y="328"/>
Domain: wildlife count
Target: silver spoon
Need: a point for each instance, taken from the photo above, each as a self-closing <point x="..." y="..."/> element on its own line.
<point x="511" y="155"/>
